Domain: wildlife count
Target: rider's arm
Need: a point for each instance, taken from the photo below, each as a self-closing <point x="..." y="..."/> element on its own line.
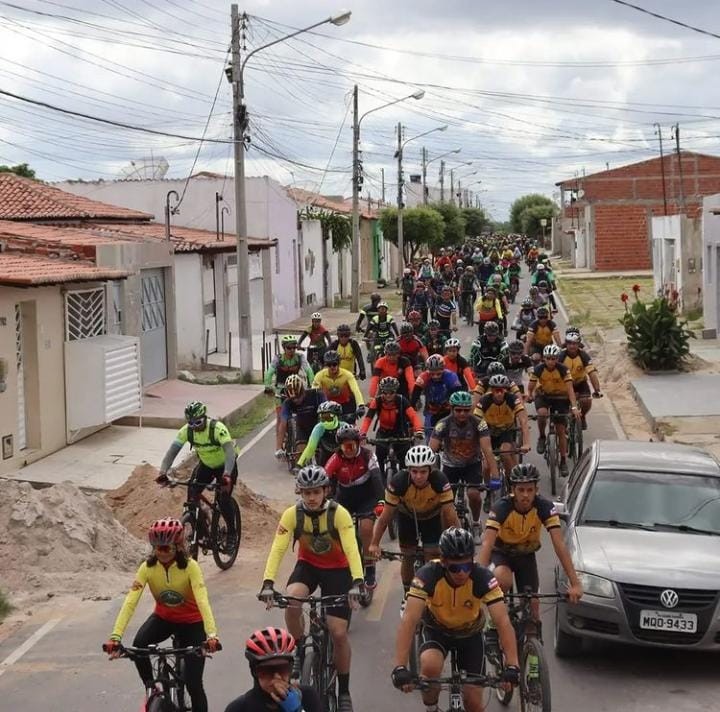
<point x="355" y="389"/>
<point x="563" y="555"/>
<point x="488" y="542"/>
<point x="448" y="515"/>
<point x="469" y="377"/>
<point x="349" y="542"/>
<point x="529" y="340"/>
<point x="359" y="360"/>
<point x="414" y="609"/>
<point x="302" y="337"/>
<point x="230" y="456"/>
<point x="369" y="415"/>
<point x="376" y="480"/>
<point x="381" y="523"/>
<point x="393" y="327"/>
<point x="522" y="420"/>
<point x="556" y="337"/>
<point x="280" y="544"/>
<point x="327" y="338"/>
<point x="506" y="633"/>
<point x="313" y="440"/>
<point x="412" y="415"/>
<point x="270" y="372"/>
<point x="130" y="602"/>
<point x="409" y="375"/>
<point x="197" y="584"/>
<point x="416" y="391"/>
<point x="174" y="449"/>
<point x="317" y="379"/>
<point x="306" y="369"/>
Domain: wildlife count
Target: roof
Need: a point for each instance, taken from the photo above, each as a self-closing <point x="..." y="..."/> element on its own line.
<point x="20" y="269"/>
<point x="26" y="199"/>
<point x="655" y="456"/>
<point x="308" y="198"/>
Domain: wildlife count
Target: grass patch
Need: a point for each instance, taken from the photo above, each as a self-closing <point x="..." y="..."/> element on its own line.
<point x="256" y="416"/>
<point x="5" y="606"/>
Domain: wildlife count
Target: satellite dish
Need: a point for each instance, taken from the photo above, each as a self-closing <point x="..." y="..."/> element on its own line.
<point x="153" y="168"/>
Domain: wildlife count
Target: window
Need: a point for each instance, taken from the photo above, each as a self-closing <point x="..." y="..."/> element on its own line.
<point x="577" y="476"/>
<point x="85" y="314"/>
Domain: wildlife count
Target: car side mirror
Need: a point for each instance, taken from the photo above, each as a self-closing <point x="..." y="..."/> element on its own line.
<point x="561" y="511"/>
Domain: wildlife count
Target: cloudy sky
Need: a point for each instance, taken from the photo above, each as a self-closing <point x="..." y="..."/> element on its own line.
<point x="532" y="91"/>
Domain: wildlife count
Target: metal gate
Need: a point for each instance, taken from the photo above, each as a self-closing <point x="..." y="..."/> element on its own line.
<point x="19" y="349"/>
<point x="154" y="337"/>
<point x="209" y="314"/>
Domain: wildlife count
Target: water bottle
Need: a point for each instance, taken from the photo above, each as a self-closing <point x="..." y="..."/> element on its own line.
<point x="533" y="667"/>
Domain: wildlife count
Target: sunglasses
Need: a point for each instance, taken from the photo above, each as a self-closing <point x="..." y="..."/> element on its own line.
<point x="461" y="410"/>
<point x="165" y="548"/>
<point x="196" y="422"/>
<point x="465" y="568"/>
<point x="326" y="416"/>
<point x="290" y="348"/>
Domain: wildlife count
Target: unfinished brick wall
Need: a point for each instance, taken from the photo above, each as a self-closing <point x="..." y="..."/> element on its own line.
<point x="621" y="237"/>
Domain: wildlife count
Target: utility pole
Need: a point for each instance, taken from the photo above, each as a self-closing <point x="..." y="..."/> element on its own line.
<point x="459" y="194"/>
<point x="218" y="198"/>
<point x="424" y="176"/>
<point x="442" y="181"/>
<point x="452" y="186"/>
<point x="401" y="243"/>
<point x="658" y="131"/>
<point x="243" y="260"/>
<point x="356" y="181"/>
<point x="679" y="157"/>
<point x="382" y="173"/>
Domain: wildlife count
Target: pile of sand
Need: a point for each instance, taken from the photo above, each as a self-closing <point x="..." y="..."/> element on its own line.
<point x="60" y="540"/>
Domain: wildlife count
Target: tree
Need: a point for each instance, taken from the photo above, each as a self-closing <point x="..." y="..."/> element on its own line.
<point x="421" y="226"/>
<point x="453" y="225"/>
<point x="336" y="226"/>
<point x="526" y="202"/>
<point x="530" y="219"/>
<point x="475" y="221"/>
<point x="21" y="169"/>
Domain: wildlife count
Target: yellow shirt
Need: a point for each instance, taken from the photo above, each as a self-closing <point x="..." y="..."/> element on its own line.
<point x="347" y="357"/>
<point x="579" y="366"/>
<point x="340" y="388"/>
<point x="553" y="382"/>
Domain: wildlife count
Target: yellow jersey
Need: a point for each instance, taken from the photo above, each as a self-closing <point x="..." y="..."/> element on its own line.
<point x="580" y="366"/>
<point x="339" y="388"/>
<point x="519" y="533"/>
<point x="551" y="383"/>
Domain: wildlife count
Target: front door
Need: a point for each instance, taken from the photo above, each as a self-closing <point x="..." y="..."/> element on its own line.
<point x="154" y="337"/>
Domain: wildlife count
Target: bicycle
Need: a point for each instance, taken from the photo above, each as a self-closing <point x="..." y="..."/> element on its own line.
<point x="317" y="660"/>
<point x="466" y="309"/>
<point x="167" y="692"/>
<point x="292" y="446"/>
<point x="462" y="504"/>
<point x="534" y="688"/>
<point x="552" y="450"/>
<point x="314" y="356"/>
<point x="200" y="514"/>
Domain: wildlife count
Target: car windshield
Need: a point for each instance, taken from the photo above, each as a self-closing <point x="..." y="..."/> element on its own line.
<point x="662" y="501"/>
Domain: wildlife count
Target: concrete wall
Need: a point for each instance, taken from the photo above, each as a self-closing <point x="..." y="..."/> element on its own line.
<point x="44" y="325"/>
<point x="312" y="264"/>
<point x="189" y="305"/>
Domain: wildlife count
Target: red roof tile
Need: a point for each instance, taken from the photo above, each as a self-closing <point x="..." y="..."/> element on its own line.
<point x="306" y="197"/>
<point x="25" y="199"/>
<point x="19" y="269"/>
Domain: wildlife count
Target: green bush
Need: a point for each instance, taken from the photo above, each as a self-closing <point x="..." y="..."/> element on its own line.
<point x="657" y="340"/>
<point x="5" y="606"/>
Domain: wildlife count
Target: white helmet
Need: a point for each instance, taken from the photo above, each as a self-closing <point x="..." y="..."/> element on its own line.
<point x="552" y="350"/>
<point x="452" y="343"/>
<point x="420" y="456"/>
<point x="540" y="265"/>
<point x="316" y="315"/>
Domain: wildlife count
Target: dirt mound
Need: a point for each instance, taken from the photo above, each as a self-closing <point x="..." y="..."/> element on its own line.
<point x="140" y="501"/>
<point x="60" y="540"/>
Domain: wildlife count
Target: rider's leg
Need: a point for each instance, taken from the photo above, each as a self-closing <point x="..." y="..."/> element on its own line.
<point x="194" y="634"/>
<point x="471" y="658"/>
<point x="542" y="414"/>
<point x="561" y="431"/>
<point x="365" y="528"/>
<point x="338" y="628"/>
<point x="527" y="577"/>
<point x="154" y="630"/>
<point x="302" y="582"/>
<point x="509" y="459"/>
<point x="280" y="432"/>
<point x="432" y="660"/>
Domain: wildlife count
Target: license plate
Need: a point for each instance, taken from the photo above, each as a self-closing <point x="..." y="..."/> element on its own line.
<point x="665" y="620"/>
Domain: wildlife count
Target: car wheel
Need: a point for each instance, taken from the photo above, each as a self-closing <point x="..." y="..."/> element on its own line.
<point x="565" y="645"/>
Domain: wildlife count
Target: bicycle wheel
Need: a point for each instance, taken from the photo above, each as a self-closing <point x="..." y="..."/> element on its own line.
<point x="504" y="696"/>
<point x="390" y="471"/>
<point x="290" y="440"/>
<point x="307" y="672"/>
<point x="552" y="460"/>
<point x="414" y="661"/>
<point x="179" y="690"/>
<point x="158" y="703"/>
<point x="328" y="676"/>
<point x="578" y="439"/>
<point x="535" y="693"/>
<point x="190" y="528"/>
<point x="225" y="550"/>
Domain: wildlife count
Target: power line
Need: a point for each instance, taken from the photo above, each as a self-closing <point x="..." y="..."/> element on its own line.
<point x="679" y="23"/>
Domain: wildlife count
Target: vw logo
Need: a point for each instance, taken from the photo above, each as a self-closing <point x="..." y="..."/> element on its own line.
<point x="669" y="598"/>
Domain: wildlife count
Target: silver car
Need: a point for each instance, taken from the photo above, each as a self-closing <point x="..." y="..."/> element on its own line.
<point x="642" y="523"/>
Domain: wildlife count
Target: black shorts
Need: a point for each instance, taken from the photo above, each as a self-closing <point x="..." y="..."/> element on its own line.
<point x="470" y="474"/>
<point x="523" y="566"/>
<point x="430" y="530"/>
<point x="359" y="500"/>
<point x="332" y="582"/>
<point x="582" y="390"/>
<point x="470" y="650"/>
<point x="557" y="406"/>
<point x="503" y="436"/>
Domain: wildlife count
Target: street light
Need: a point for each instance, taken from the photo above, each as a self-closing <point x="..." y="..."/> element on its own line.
<point x="426" y="163"/>
<point x="355" y="256"/>
<point x="399" y="155"/>
<point x="240" y="126"/>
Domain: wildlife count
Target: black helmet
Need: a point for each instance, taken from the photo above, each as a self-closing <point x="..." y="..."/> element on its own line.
<point x="406" y="328"/>
<point x="433" y="324"/>
<point x="542" y="313"/>
<point x="391" y="348"/>
<point x="516" y="347"/>
<point x="195" y="410"/>
<point x="495" y="367"/>
<point x="331" y="358"/>
<point x="388" y="384"/>
<point x="491" y="329"/>
<point x="524" y="473"/>
<point x="347" y="432"/>
<point x="343" y="330"/>
<point x="375" y="297"/>
<point x="456" y="543"/>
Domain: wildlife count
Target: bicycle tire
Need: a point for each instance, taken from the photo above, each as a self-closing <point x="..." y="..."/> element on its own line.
<point x="328" y="676"/>
<point x="190" y="529"/>
<point x="158" y="703"/>
<point x="390" y="471"/>
<point x="578" y="440"/>
<point x="180" y="688"/>
<point x="503" y="696"/>
<point x="539" y="698"/>
<point x="552" y="460"/>
<point x="414" y="660"/>
<point x="290" y="443"/>
<point x="224" y="555"/>
<point x="307" y="672"/>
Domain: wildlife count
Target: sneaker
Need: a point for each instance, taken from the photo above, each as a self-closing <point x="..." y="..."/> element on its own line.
<point x="279" y="454"/>
<point x="541" y="445"/>
<point x="477" y="533"/>
<point x="370" y="579"/>
<point x="487" y="504"/>
<point x="563" y="468"/>
<point x="345" y="702"/>
<point x="583" y="422"/>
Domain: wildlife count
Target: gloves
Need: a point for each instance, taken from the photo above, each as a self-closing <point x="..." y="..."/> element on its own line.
<point x="162" y="479"/>
<point x="213" y="645"/>
<point x="401" y="676"/>
<point x="292" y="701"/>
<point x="361" y="410"/>
<point x="112" y="646"/>
<point x="597" y="394"/>
<point x="355" y="593"/>
<point x="494" y="485"/>
<point x="419" y="435"/>
<point x="226" y="484"/>
<point x="379" y="508"/>
<point x="511" y="674"/>
<point x="267" y="593"/>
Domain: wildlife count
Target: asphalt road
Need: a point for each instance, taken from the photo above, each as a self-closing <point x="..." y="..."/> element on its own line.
<point x="63" y="669"/>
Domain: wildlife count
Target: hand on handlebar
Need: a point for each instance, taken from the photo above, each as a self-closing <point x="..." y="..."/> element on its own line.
<point x="575" y="592"/>
<point x="374" y="551"/>
<point x="113" y="648"/>
<point x="162" y="479"/>
<point x="212" y="645"/>
<point x="597" y="394"/>
<point x="511" y="674"/>
<point x="355" y="594"/>
<point x="267" y="594"/>
<point x="402" y="678"/>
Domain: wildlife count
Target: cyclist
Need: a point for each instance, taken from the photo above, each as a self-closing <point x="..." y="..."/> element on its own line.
<point x="303" y="403"/>
<point x="351" y="357"/>
<point x="271" y="652"/>
<point x="355" y="472"/>
<point x="394" y="416"/>
<point x="394" y="365"/>
<point x="340" y="386"/>
<point x="488" y="347"/>
<point x="182" y="608"/>
<point x="434" y="339"/>
<point x="411" y="346"/>
<point x="446" y="311"/>
<point x="317" y="335"/>
<point x="407" y="287"/>
<point x="512" y="536"/>
<point x="581" y="367"/>
<point x="420" y="301"/>
<point x="524" y="318"/>
<point x="544" y="274"/>
<point x="458" y="364"/>
<point x="217" y="459"/>
<point x="368" y="312"/>
<point x="436" y="383"/>
<point x="541" y="333"/>
<point x="504" y="413"/>
<point x="381" y="328"/>
<point x="466" y="451"/>
<point x="468" y="288"/>
<point x="488" y="308"/>
<point x="514" y="271"/>
<point x="551" y="388"/>
<point x="484" y="271"/>
<point x="516" y="364"/>
<point x="538" y="298"/>
<point x="322" y="443"/>
<point x="328" y="557"/>
<point x="423" y="499"/>
<point x="449" y="598"/>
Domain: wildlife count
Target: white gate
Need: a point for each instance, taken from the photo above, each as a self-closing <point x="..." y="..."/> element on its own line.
<point x="154" y="337"/>
<point x="19" y="349"/>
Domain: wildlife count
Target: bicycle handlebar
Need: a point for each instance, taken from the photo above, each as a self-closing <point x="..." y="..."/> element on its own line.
<point x="172" y="482"/>
<point x="399" y="556"/>
<point x="389" y="441"/>
<point x="480" y="488"/>
<point x="154" y="651"/>
<point x="463" y="678"/>
<point x="529" y="594"/>
<point x="282" y="601"/>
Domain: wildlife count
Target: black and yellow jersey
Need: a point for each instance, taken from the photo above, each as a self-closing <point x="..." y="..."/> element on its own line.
<point x="483" y="386"/>
<point x="580" y="366"/>
<point x="499" y="416"/>
<point x="422" y="502"/>
<point x="520" y="533"/>
<point x="551" y="383"/>
<point x="458" y="610"/>
<point x="543" y="334"/>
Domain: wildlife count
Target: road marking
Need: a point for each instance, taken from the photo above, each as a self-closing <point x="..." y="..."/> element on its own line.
<point x="381" y="595"/>
<point x="28" y="644"/>
<point x="255" y="440"/>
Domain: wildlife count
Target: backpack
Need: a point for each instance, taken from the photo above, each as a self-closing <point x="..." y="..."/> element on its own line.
<point x="300" y="521"/>
<point x="213" y="437"/>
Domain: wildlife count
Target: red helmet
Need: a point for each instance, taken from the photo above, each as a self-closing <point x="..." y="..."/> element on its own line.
<point x="166" y="531"/>
<point x="269" y="644"/>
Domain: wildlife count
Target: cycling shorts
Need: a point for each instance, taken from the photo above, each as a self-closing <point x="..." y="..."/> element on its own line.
<point x="430" y="530"/>
<point x="332" y="582"/>
<point x="470" y="474"/>
<point x="582" y="390"/>
<point x="359" y="500"/>
<point x="470" y="650"/>
<point x="523" y="566"/>
<point x="557" y="406"/>
<point x="502" y="437"/>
